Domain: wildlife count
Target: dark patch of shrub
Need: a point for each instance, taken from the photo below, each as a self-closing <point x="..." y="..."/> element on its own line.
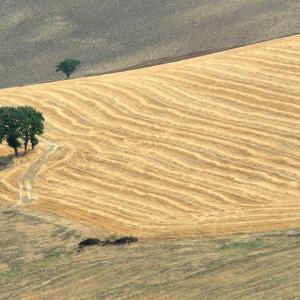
<point x="124" y="240"/>
<point x="88" y="242"/>
<point x="97" y="242"/>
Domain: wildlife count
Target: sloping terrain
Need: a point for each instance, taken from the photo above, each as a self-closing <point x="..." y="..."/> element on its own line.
<point x="39" y="261"/>
<point x="203" y="146"/>
<point x="111" y="34"/>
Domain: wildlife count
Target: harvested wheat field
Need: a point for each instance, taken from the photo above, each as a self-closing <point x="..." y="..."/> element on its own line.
<point x="264" y="266"/>
<point x="203" y="146"/>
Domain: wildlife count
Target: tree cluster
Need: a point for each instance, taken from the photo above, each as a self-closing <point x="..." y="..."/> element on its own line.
<point x="20" y="126"/>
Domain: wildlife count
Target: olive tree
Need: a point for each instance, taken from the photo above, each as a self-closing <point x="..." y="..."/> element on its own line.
<point x="68" y="66"/>
<point x="23" y="123"/>
<point x="11" y="124"/>
<point x="32" y="125"/>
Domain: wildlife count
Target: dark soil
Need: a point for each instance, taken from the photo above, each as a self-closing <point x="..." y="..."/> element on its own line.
<point x="109" y="35"/>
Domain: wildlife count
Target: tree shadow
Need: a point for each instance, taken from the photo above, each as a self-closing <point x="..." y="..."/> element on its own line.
<point x="6" y="161"/>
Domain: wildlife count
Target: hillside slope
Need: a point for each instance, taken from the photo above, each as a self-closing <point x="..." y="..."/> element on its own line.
<point x="203" y="146"/>
<point x="111" y="34"/>
<point x="48" y="266"/>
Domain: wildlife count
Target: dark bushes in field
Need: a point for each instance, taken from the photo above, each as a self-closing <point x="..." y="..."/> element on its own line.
<point x="97" y="242"/>
<point x="124" y="240"/>
<point x="88" y="242"/>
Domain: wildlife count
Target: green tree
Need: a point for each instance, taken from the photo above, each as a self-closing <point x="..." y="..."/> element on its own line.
<point x="32" y="125"/>
<point x="68" y="66"/>
<point x="13" y="141"/>
<point x="2" y="130"/>
<point x="11" y="124"/>
<point x="20" y="123"/>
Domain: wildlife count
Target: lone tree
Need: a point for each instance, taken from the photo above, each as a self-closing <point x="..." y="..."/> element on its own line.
<point x="18" y="124"/>
<point x="68" y="66"/>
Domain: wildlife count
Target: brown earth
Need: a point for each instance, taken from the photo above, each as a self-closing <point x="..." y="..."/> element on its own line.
<point x="109" y="35"/>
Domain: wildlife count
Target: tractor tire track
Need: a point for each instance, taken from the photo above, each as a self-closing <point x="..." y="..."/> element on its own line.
<point x="25" y="181"/>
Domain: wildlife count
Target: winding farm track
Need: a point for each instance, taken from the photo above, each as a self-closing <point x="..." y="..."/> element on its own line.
<point x="25" y="181"/>
<point x="208" y="145"/>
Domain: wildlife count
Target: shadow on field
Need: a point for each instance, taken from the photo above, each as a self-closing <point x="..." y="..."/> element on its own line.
<point x="6" y="161"/>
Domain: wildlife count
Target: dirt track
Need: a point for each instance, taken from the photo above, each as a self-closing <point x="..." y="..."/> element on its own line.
<point x="203" y="146"/>
<point x="25" y="180"/>
<point x="110" y="34"/>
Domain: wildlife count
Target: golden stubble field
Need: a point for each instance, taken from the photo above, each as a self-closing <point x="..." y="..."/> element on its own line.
<point x="203" y="146"/>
